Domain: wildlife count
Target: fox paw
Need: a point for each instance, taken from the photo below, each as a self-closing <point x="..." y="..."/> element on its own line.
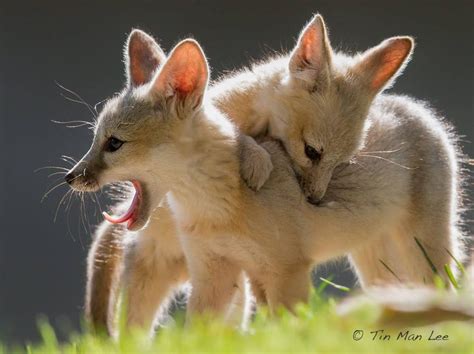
<point x="256" y="165"/>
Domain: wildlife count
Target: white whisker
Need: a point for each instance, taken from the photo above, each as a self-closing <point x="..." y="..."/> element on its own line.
<point x="78" y="99"/>
<point x="52" y="168"/>
<point x="51" y="190"/>
<point x="387" y="160"/>
<point x="75" y="123"/>
<point x="61" y="202"/>
<point x="72" y="159"/>
<point x="63" y="173"/>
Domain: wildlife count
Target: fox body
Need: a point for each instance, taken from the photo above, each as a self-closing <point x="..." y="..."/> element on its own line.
<point x="382" y="170"/>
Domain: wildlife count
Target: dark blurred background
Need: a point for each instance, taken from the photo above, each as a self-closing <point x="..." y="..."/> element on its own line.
<point x="79" y="45"/>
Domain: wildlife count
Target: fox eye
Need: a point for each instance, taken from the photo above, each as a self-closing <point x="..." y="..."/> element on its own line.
<point x="113" y="144"/>
<point x="312" y="154"/>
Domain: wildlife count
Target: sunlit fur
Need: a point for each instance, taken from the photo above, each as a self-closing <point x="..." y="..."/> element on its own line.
<point x="401" y="182"/>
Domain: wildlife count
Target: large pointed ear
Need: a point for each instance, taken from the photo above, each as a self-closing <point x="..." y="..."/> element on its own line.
<point x="311" y="59"/>
<point x="143" y="56"/>
<point x="184" y="75"/>
<point x="378" y="67"/>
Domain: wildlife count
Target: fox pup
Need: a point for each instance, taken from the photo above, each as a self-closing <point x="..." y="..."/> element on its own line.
<point x="325" y="109"/>
<point x="387" y="158"/>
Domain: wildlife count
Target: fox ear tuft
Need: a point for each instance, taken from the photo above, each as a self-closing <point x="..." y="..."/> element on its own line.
<point x="184" y="75"/>
<point x="142" y="57"/>
<point x="311" y="58"/>
<point x="379" y="66"/>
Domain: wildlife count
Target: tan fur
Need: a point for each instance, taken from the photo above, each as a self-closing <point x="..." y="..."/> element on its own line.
<point x="154" y="266"/>
<point x="103" y="278"/>
<point x="372" y="207"/>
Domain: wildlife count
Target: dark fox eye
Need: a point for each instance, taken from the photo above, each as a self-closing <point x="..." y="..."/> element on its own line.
<point x="312" y="153"/>
<point x="113" y="144"/>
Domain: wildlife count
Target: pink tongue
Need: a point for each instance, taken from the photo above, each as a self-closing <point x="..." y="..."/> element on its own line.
<point x="132" y="209"/>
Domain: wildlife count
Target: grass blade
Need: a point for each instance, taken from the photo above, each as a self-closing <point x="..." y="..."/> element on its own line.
<point x="451" y="277"/>
<point x="425" y="254"/>
<point x="337" y="286"/>
<point x="458" y="264"/>
<point x="323" y="285"/>
<point x="390" y="270"/>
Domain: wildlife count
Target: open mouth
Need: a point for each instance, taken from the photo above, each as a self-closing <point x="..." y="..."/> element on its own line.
<point x="134" y="212"/>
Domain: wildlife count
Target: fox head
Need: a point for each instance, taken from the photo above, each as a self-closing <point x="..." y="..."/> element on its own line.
<point x="135" y="131"/>
<point x="326" y="99"/>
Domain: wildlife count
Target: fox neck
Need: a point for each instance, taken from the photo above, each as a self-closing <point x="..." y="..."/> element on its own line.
<point x="207" y="187"/>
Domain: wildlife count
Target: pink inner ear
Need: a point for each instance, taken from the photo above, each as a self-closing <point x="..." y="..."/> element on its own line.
<point x="187" y="81"/>
<point x="308" y="42"/>
<point x="184" y="73"/>
<point x="144" y="58"/>
<point x="390" y="61"/>
<point x="136" y="70"/>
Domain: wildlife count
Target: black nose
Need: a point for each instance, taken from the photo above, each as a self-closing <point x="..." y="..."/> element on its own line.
<point x="69" y="177"/>
<point x="313" y="200"/>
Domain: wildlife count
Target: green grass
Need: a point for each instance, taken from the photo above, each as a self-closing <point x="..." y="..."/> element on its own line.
<point x="316" y="328"/>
